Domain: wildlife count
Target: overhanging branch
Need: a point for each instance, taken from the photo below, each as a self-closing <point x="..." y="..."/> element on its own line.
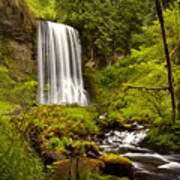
<point x="146" y="88"/>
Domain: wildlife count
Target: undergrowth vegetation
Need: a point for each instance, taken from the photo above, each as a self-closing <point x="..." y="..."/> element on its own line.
<point x="56" y="127"/>
<point x="62" y="128"/>
<point x="11" y="91"/>
<point x="18" y="159"/>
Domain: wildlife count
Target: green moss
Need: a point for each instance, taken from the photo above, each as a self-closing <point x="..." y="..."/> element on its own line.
<point x="114" y="157"/>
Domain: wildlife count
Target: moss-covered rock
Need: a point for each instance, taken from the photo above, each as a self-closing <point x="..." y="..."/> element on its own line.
<point x="87" y="165"/>
<point x="117" y="165"/>
<point x="63" y="169"/>
<point x="85" y="148"/>
<point x="115" y="158"/>
<point x="56" y="155"/>
<point x="77" y="168"/>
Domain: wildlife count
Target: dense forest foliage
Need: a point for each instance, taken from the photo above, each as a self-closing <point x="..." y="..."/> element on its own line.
<point x="125" y="73"/>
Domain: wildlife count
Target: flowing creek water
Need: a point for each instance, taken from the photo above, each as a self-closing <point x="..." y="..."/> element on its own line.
<point x="148" y="164"/>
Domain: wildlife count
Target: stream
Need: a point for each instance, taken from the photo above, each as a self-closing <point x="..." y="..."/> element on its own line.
<point x="148" y="164"/>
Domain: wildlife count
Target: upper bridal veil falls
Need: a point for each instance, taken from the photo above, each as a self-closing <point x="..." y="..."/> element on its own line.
<point x="59" y="65"/>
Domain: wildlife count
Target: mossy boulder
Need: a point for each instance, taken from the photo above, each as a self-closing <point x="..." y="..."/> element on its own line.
<point x="85" y="148"/>
<point x="116" y="158"/>
<point x="63" y="169"/>
<point x="89" y="165"/>
<point x="92" y="150"/>
<point x="77" y="168"/>
<point x="53" y="156"/>
<point x="117" y="165"/>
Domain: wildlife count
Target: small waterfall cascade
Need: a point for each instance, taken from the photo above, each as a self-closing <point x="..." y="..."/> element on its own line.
<point x="59" y="65"/>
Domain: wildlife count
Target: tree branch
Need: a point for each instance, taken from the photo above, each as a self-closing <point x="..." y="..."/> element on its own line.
<point x="147" y="88"/>
<point x="174" y="50"/>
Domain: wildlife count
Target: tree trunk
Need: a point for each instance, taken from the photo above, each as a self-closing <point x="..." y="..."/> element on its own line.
<point x="171" y="88"/>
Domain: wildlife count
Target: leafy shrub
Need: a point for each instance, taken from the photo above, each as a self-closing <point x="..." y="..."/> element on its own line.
<point x="43" y="9"/>
<point x="57" y="127"/>
<point x="12" y="92"/>
<point x="18" y="160"/>
<point x="110" y="77"/>
<point x="24" y="94"/>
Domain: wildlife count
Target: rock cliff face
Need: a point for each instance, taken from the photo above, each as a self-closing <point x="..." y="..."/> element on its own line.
<point x="17" y="38"/>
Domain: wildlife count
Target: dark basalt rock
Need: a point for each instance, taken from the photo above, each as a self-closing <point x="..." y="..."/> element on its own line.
<point x="117" y="165"/>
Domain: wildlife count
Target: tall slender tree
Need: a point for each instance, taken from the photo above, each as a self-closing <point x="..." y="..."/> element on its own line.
<point x="171" y="88"/>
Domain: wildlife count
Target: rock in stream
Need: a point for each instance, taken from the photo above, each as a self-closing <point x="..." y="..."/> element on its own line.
<point x="148" y="164"/>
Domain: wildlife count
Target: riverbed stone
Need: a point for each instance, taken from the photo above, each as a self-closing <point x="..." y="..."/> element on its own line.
<point x="52" y="156"/>
<point x="77" y="168"/>
<point x="117" y="165"/>
<point x="64" y="169"/>
<point x="89" y="165"/>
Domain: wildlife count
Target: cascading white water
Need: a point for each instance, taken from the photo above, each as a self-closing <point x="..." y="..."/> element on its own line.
<point x="59" y="65"/>
<point x="147" y="163"/>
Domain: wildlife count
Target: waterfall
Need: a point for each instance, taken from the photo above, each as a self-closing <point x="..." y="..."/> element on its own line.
<point x="59" y="65"/>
